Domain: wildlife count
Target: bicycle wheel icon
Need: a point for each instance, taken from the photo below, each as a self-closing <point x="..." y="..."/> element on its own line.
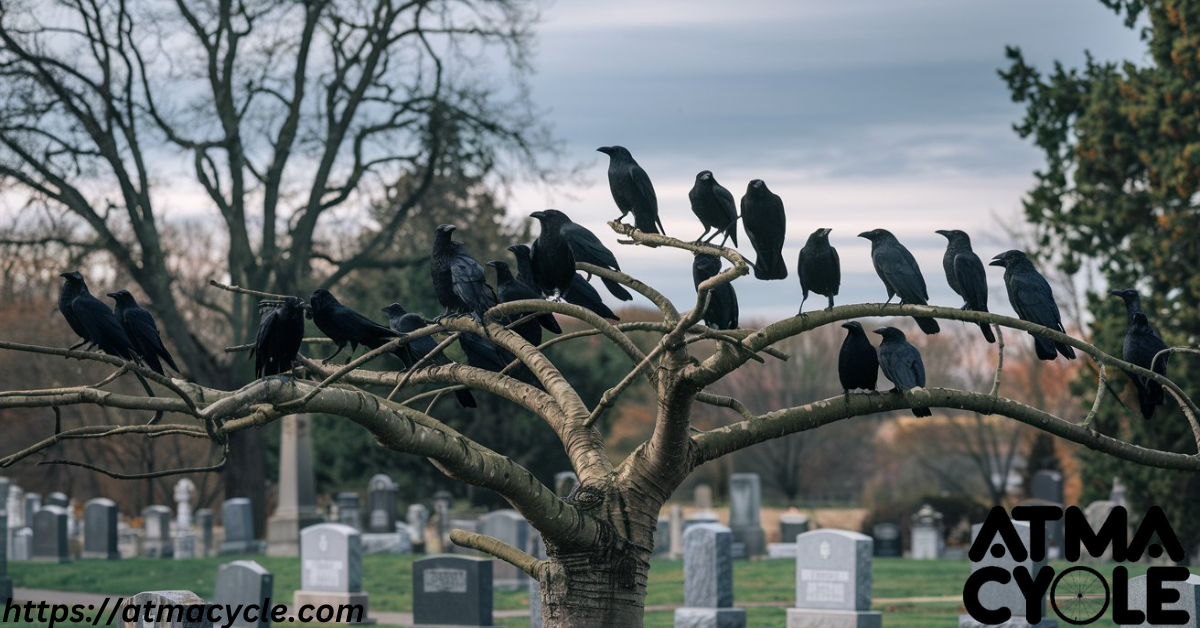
<point x="1079" y="595"/>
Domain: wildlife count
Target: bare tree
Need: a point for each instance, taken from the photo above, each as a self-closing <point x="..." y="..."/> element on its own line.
<point x="600" y="539"/>
<point x="269" y="118"/>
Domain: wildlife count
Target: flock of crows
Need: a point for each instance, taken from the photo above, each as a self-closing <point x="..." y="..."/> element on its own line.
<point x="547" y="269"/>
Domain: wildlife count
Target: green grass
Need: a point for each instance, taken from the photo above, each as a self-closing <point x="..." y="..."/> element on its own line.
<point x="388" y="579"/>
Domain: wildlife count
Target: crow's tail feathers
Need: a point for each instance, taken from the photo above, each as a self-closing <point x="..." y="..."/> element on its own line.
<point x="1045" y="348"/>
<point x="465" y="398"/>
<point x="987" y="332"/>
<point x="770" y="267"/>
<point x="927" y="325"/>
<point x="1066" y="350"/>
<point x="617" y="290"/>
<point x="922" y="412"/>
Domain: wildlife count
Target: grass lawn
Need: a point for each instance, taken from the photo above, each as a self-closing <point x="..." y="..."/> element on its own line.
<point x="389" y="581"/>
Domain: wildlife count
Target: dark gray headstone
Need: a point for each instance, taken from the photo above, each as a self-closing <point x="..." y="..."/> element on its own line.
<point x="33" y="503"/>
<point x="157" y="543"/>
<point x="792" y="525"/>
<point x="331" y="558"/>
<point x="996" y="595"/>
<point x="348" y="510"/>
<point x="242" y="583"/>
<point x="833" y="581"/>
<point x="510" y="527"/>
<point x="662" y="536"/>
<point x="708" y="579"/>
<point x="100" y="529"/>
<point x="452" y="591"/>
<point x="204" y="521"/>
<point x="381" y="504"/>
<point x="417" y="518"/>
<point x="1047" y="487"/>
<point x="22" y="545"/>
<point x="887" y="540"/>
<point x="57" y="499"/>
<point x="50" y="535"/>
<point x="238" y="516"/>
<point x="189" y="610"/>
<point x="745" y="506"/>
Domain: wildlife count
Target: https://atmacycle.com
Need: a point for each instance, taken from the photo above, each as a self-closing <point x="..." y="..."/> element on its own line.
<point x="117" y="612"/>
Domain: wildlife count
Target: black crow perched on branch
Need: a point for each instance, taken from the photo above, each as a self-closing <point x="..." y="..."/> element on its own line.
<point x="581" y="293"/>
<point x="766" y="226"/>
<point x="73" y="285"/>
<point x="509" y="289"/>
<point x="402" y="322"/>
<point x="722" y="312"/>
<point x="632" y="190"/>
<point x="280" y="334"/>
<point x="901" y="363"/>
<point x="1033" y="299"/>
<point x="551" y="260"/>
<point x="1141" y="346"/>
<point x="139" y="325"/>
<point x="858" y="364"/>
<point x="900" y="273"/>
<point x="585" y="247"/>
<point x="715" y="208"/>
<point x="819" y="268"/>
<point x="344" y="325"/>
<point x="1133" y="304"/>
<point x="965" y="274"/>
<point x="459" y="282"/>
<point x="100" y="326"/>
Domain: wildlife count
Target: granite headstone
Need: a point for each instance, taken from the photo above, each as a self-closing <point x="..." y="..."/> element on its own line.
<point x="157" y="543"/>
<point x="510" y="527"/>
<point x="708" y="579"/>
<point x="452" y="591"/>
<point x="331" y="567"/>
<point x="50" y="535"/>
<point x="381" y="504"/>
<point x="242" y="583"/>
<point x="100" y="530"/>
<point x="745" y="506"/>
<point x="996" y="595"/>
<point x="833" y="581"/>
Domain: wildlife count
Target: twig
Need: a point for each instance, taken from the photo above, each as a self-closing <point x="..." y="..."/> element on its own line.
<point x="425" y="359"/>
<point x="999" y="360"/>
<point x="250" y="346"/>
<point x="610" y="396"/>
<point x="91" y="431"/>
<point x="254" y="293"/>
<point x="1101" y="386"/>
<point x="499" y="549"/>
<point x="141" y="476"/>
<point x="391" y="345"/>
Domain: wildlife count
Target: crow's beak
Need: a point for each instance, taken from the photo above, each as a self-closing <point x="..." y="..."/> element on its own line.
<point x="865" y="234"/>
<point x="607" y="150"/>
<point x="943" y="232"/>
<point x="826" y="232"/>
<point x="878" y="331"/>
<point x="997" y="261"/>
<point x="111" y="295"/>
<point x="538" y="215"/>
<point x="847" y="326"/>
<point x="66" y="275"/>
<point x="492" y="263"/>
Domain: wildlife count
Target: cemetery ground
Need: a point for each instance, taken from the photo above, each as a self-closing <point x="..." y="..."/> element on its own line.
<point x="910" y="593"/>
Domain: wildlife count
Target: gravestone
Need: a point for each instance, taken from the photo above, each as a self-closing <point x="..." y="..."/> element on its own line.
<point x="57" y="499"/>
<point x="381" y="504"/>
<point x="1117" y="494"/>
<point x="887" y="540"/>
<point x="157" y="541"/>
<point x="204" y="521"/>
<point x="100" y="530"/>
<point x="296" y="508"/>
<point x="537" y="549"/>
<point x="702" y="497"/>
<point x="1047" y="487"/>
<point x="22" y="545"/>
<point x="347" y="509"/>
<point x="331" y="568"/>
<point x="242" y="583"/>
<point x="238" y="516"/>
<point x="50" y="535"/>
<point x="662" y="536"/>
<point x="510" y="527"/>
<point x="745" y="506"/>
<point x="927" y="533"/>
<point x="129" y="540"/>
<point x="1189" y="598"/>
<point x="676" y="548"/>
<point x="190" y="611"/>
<point x="996" y="595"/>
<point x="452" y="591"/>
<point x="1096" y="514"/>
<point x="441" y="510"/>
<point x="833" y="581"/>
<point x="792" y="525"/>
<point x="15" y="505"/>
<point x="185" y="537"/>
<point x="466" y="525"/>
<point x="564" y="483"/>
<point x="417" y="517"/>
<point x="6" y="588"/>
<point x="708" y="579"/>
<point x="33" y="503"/>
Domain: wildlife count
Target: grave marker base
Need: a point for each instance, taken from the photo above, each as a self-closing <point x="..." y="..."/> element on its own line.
<point x="319" y="598"/>
<point x="710" y="618"/>
<point x="821" y="618"/>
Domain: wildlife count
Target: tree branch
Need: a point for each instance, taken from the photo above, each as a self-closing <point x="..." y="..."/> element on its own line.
<point x="499" y="549"/>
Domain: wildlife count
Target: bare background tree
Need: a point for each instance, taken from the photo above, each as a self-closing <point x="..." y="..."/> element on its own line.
<point x="293" y="118"/>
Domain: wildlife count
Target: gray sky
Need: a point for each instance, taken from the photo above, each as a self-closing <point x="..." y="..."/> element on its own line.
<point x="860" y="115"/>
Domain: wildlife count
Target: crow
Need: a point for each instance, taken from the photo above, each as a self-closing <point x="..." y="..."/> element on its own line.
<point x="343" y="325"/>
<point x="581" y="293"/>
<point x="858" y="364"/>
<point x="714" y="206"/>
<point x="483" y="353"/>
<point x="901" y="363"/>
<point x="552" y="262"/>
<point x="900" y="273"/>
<point x="402" y="322"/>
<point x="1142" y="343"/>
<point x="459" y="282"/>
<point x="632" y="190"/>
<point x="819" y="268"/>
<point x="509" y="289"/>
<point x="280" y="334"/>
<point x="585" y="247"/>
<point x="1033" y="299"/>
<point x="73" y="285"/>
<point x="139" y="325"/>
<point x="965" y="274"/>
<point x="1133" y="304"/>
<point x="100" y="326"/>
<point x="722" y="312"/>
<point x="766" y="226"/>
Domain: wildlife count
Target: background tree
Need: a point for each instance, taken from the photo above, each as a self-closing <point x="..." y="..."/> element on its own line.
<point x="600" y="539"/>
<point x="1118" y="196"/>
<point x="294" y="117"/>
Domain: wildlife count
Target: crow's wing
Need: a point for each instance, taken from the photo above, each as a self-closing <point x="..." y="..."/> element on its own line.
<point x="641" y="185"/>
<point x="470" y="283"/>
<point x="102" y="326"/>
<point x="1033" y="299"/>
<point x="587" y="248"/>
<point x="143" y="331"/>
<point x="972" y="280"/>
<point x="898" y="267"/>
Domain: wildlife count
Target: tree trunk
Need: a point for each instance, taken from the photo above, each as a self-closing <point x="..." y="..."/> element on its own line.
<point x="595" y="589"/>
